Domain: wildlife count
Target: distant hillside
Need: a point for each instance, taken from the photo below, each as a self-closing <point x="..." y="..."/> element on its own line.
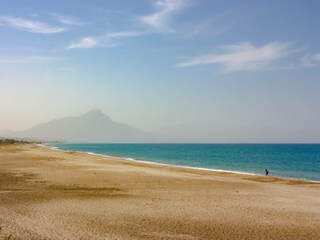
<point x="94" y="126"/>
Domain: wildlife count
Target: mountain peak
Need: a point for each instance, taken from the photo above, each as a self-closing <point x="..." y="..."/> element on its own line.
<point x="93" y="126"/>
<point x="95" y="111"/>
<point x="95" y="114"/>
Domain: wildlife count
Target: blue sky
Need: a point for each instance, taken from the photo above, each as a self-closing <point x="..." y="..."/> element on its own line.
<point x="229" y="65"/>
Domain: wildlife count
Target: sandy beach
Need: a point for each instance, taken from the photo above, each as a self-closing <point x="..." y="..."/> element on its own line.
<point x="48" y="194"/>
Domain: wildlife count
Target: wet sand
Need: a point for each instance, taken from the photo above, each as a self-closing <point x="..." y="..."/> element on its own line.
<point x="47" y="194"/>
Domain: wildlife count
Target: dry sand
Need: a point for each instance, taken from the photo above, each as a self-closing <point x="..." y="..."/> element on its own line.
<point x="47" y="194"/>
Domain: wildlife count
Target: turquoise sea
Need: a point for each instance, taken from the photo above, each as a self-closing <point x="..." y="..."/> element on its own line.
<point x="301" y="161"/>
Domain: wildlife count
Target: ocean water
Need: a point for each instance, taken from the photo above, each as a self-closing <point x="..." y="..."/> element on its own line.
<point x="301" y="161"/>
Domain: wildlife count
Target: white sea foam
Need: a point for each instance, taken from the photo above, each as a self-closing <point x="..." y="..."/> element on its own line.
<point x="91" y="153"/>
<point x="188" y="167"/>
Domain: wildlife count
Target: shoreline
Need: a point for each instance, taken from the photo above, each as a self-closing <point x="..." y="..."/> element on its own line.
<point x="184" y="167"/>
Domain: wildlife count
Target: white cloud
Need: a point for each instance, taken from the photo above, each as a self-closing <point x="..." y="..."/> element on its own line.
<point x="107" y="40"/>
<point x="165" y="9"/>
<point x="311" y="60"/>
<point x="244" y="56"/>
<point x="68" y="20"/>
<point x="87" y="42"/>
<point x="29" y="26"/>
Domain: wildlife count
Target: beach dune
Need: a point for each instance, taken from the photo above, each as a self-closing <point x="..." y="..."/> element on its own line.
<point x="48" y="194"/>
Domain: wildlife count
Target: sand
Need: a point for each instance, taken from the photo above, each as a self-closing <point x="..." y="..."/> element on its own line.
<point x="47" y="194"/>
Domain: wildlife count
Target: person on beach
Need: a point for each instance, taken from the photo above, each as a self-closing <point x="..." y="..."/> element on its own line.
<point x="267" y="172"/>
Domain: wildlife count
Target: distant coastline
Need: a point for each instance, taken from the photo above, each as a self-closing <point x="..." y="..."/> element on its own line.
<point x="16" y="141"/>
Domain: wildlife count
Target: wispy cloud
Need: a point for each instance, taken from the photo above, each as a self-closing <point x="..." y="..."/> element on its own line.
<point x="29" y="25"/>
<point x="87" y="42"/>
<point x="68" y="20"/>
<point x="244" y="56"/>
<point x="216" y="24"/>
<point x="311" y="60"/>
<point x="165" y="10"/>
<point x="107" y="40"/>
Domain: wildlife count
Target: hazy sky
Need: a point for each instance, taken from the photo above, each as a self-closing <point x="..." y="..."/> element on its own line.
<point x="155" y="63"/>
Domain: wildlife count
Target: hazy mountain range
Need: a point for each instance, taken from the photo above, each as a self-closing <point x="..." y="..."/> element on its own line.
<point x="94" y="126"/>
